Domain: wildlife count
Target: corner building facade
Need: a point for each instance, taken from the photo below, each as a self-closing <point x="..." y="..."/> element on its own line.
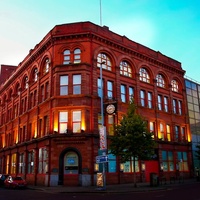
<point x="51" y="108"/>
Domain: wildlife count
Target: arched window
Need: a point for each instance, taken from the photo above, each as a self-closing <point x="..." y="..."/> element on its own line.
<point x="144" y="75"/>
<point x="66" y="57"/>
<point x="160" y="81"/>
<point x="77" y="56"/>
<point x="26" y="82"/>
<point x="46" y="66"/>
<point x="174" y="84"/>
<point x="35" y="75"/>
<point x="104" y="61"/>
<point x="125" y="69"/>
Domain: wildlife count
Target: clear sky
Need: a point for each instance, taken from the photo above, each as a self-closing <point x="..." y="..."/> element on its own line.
<point x="169" y="26"/>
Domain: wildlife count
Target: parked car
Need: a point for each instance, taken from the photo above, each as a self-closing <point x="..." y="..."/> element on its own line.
<point x="15" y="182"/>
<point x="3" y="178"/>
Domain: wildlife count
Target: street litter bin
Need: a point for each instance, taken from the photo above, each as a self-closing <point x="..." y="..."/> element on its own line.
<point x="154" y="179"/>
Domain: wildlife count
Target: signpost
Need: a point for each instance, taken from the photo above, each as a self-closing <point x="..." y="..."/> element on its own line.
<point x="101" y="159"/>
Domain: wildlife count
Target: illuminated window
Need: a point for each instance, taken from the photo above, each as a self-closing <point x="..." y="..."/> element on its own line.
<point x="64" y="85"/>
<point x="182" y="161"/>
<point x="162" y="134"/>
<point x="168" y="132"/>
<point x="77" y="56"/>
<point x="13" y="163"/>
<point x="144" y="75"/>
<point x="110" y="124"/>
<point x="7" y="164"/>
<point x="63" y="122"/>
<point x="76" y="121"/>
<point x="104" y="61"/>
<point x="76" y="84"/>
<point x="160" y="81"/>
<point x="125" y="69"/>
<point x="174" y="84"/>
<point x="66" y="56"/>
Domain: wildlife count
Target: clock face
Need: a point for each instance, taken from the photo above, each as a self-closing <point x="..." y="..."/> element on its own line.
<point x="110" y="109"/>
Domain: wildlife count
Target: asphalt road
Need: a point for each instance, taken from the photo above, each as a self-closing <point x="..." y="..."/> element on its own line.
<point x="180" y="192"/>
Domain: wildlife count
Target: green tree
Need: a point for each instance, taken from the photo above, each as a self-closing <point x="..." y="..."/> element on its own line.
<point x="132" y="138"/>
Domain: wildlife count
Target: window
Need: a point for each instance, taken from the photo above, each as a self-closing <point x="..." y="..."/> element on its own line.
<point x="150" y="104"/>
<point x="125" y="69"/>
<point x="174" y="84"/>
<point x="131" y="93"/>
<point x="129" y="165"/>
<point x="166" y="107"/>
<point x="123" y="93"/>
<point x="21" y="169"/>
<point x="162" y="134"/>
<point x="71" y="163"/>
<point x="31" y="162"/>
<point x="182" y="137"/>
<point x="110" y="89"/>
<point x="64" y="85"/>
<point x="26" y="82"/>
<point x="159" y="102"/>
<point x="174" y="106"/>
<point x="142" y="98"/>
<point x="167" y="161"/>
<point x="110" y="124"/>
<point x="66" y="55"/>
<point x="176" y="136"/>
<point x="182" y="161"/>
<point x="168" y="132"/>
<point x="152" y="128"/>
<point x="160" y="81"/>
<point x="144" y="75"/>
<point x="13" y="163"/>
<point x="76" y="117"/>
<point x="99" y="87"/>
<point x="46" y="66"/>
<point x="104" y="61"/>
<point x="76" y="84"/>
<point x="77" y="56"/>
<point x="180" y="107"/>
<point x="111" y="163"/>
<point x="63" y="122"/>
<point x="43" y="164"/>
<point x="35" y="75"/>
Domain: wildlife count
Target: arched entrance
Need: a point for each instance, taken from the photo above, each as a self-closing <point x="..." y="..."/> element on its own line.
<point x="70" y="165"/>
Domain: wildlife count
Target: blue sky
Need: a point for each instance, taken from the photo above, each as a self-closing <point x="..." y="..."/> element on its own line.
<point x="169" y="26"/>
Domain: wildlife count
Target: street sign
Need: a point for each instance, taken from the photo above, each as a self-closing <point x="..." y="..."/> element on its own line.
<point x="101" y="159"/>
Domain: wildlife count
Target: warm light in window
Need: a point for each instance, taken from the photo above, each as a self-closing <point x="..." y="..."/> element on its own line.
<point x="55" y="128"/>
<point x="83" y="125"/>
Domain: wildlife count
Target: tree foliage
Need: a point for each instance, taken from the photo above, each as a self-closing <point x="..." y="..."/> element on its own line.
<point x="132" y="138"/>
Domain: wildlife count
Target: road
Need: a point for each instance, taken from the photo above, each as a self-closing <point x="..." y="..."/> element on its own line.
<point x="183" y="192"/>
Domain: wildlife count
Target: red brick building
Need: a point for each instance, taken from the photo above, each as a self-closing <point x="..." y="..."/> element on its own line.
<point x="50" y="108"/>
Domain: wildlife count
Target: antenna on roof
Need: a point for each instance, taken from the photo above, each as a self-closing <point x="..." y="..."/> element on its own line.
<point x="100" y="14"/>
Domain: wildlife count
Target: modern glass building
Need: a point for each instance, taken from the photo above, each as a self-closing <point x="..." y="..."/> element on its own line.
<point x="193" y="99"/>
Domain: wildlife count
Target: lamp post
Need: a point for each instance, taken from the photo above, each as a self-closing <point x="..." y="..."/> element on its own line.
<point x="103" y="139"/>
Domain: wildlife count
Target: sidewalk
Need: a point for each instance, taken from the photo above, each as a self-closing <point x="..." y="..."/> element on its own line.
<point x="120" y="188"/>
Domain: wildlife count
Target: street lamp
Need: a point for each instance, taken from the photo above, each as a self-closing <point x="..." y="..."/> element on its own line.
<point x="101" y="78"/>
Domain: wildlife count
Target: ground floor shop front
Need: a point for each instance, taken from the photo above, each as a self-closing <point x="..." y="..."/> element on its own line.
<point x="71" y="161"/>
